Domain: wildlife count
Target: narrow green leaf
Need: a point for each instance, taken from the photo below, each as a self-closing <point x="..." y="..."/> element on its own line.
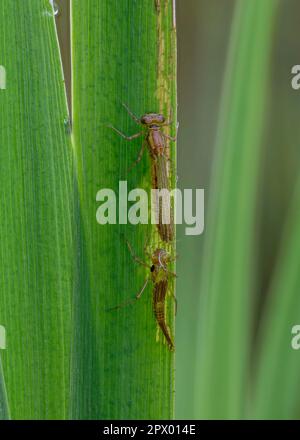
<point x="228" y="261"/>
<point x="276" y="384"/>
<point x="123" y="52"/>
<point x="36" y="200"/>
<point x="208" y="22"/>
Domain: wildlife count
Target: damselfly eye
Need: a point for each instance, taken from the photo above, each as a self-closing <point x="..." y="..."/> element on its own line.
<point x="152" y="269"/>
<point x="152" y="119"/>
<point x="160" y="119"/>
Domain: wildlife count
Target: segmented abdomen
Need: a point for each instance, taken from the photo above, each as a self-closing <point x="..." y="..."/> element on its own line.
<point x="159" y="296"/>
<point x="163" y="206"/>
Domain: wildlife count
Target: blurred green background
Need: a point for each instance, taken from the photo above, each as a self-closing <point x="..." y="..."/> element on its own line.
<point x="235" y="98"/>
<point x="204" y="28"/>
<point x="203" y="32"/>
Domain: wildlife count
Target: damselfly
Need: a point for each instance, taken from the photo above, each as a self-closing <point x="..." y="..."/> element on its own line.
<point x="160" y="276"/>
<point x="156" y="141"/>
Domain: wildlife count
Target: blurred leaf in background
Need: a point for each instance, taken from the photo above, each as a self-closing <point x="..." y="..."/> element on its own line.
<point x="275" y="390"/>
<point x="228" y="269"/>
<point x="203" y="32"/>
<point x="277" y="174"/>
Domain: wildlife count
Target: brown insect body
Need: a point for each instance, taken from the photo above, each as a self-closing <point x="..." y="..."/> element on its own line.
<point x="160" y="275"/>
<point x="160" y="279"/>
<point x="160" y="181"/>
<point x="156" y="142"/>
<point x="159" y="296"/>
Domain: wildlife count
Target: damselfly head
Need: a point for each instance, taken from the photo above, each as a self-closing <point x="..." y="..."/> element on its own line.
<point x="160" y="258"/>
<point x="153" y="119"/>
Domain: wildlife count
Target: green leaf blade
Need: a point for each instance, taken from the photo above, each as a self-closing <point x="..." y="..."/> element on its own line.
<point x="36" y="230"/>
<point x="121" y="367"/>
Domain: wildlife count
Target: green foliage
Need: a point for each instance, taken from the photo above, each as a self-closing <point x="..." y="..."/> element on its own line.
<point x="225" y="317"/>
<point x="4" y="410"/>
<point x="121" y="367"/>
<point x="276" y="387"/>
<point x="60" y="269"/>
<point x="36" y="201"/>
